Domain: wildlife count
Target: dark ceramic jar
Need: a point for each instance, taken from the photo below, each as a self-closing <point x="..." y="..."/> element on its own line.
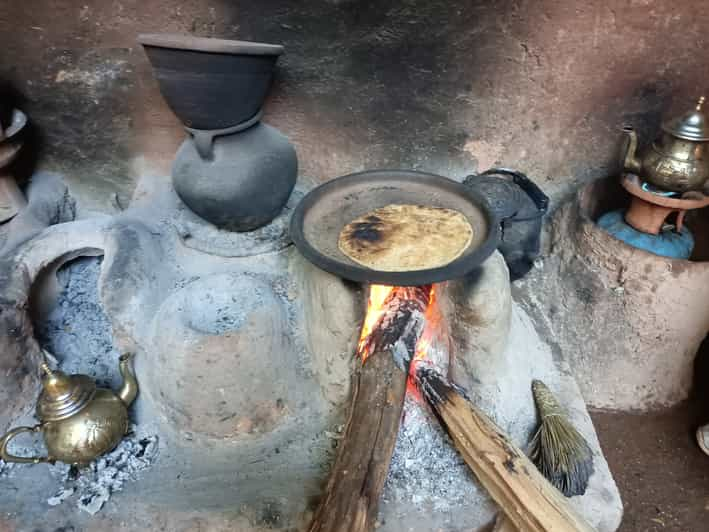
<point x="244" y="180"/>
<point x="232" y="170"/>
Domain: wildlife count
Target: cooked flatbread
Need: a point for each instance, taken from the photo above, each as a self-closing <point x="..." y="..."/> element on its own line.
<point x="399" y="238"/>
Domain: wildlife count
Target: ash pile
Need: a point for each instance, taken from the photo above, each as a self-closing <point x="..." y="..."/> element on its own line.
<point x="91" y="487"/>
<point x="425" y="467"/>
<point x="76" y="329"/>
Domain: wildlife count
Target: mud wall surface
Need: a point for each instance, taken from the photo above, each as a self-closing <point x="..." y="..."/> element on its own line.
<point x="447" y="86"/>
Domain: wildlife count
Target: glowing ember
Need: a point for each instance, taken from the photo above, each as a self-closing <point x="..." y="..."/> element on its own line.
<point x="433" y="344"/>
<point x="433" y="332"/>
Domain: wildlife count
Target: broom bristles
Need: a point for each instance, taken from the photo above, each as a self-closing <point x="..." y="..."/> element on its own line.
<point x="560" y="453"/>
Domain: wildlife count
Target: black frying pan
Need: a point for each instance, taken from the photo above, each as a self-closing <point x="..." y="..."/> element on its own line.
<point x="319" y="218"/>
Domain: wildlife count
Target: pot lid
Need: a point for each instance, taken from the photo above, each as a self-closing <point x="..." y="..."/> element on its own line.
<point x="690" y="126"/>
<point x="63" y="395"/>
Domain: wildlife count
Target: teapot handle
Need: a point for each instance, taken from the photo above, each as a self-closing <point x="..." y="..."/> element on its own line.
<point x="5" y="441"/>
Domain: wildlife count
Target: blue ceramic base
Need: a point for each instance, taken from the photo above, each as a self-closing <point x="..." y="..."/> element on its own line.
<point x="667" y="243"/>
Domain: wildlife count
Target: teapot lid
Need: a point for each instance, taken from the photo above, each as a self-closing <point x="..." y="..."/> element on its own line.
<point x="690" y="126"/>
<point x="63" y="395"/>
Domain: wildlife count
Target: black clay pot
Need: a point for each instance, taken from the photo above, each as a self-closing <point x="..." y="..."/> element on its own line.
<point x="239" y="181"/>
<point x="211" y="83"/>
<point x="232" y="170"/>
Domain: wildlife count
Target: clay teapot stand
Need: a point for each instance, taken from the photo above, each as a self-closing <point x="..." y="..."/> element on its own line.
<point x="649" y="210"/>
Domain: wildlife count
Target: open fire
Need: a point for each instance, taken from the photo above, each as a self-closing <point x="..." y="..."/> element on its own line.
<point x="404" y="347"/>
<point x="432" y="347"/>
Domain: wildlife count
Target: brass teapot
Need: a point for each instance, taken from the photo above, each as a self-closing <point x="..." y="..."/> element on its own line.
<point x="79" y="421"/>
<point x="677" y="161"/>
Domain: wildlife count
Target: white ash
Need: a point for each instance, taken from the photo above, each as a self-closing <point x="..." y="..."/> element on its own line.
<point x="426" y="469"/>
<point x="94" y="484"/>
<point x="6" y="468"/>
<point x="77" y="330"/>
<point x="61" y="496"/>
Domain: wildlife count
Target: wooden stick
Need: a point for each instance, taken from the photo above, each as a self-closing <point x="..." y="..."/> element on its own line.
<point x="530" y="502"/>
<point x="357" y="478"/>
<point x="351" y="499"/>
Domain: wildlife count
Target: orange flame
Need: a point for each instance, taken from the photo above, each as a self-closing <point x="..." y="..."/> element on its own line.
<point x="375" y="308"/>
<point x="431" y="327"/>
<point x="433" y="346"/>
<point x="434" y="337"/>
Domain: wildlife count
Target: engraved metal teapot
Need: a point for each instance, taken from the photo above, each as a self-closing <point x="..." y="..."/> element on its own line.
<point x="78" y="421"/>
<point x="678" y="160"/>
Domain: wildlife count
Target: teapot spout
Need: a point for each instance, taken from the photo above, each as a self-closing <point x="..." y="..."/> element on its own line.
<point x="129" y="389"/>
<point x="629" y="156"/>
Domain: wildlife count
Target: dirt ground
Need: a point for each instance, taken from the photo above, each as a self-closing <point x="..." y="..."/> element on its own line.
<point x="662" y="475"/>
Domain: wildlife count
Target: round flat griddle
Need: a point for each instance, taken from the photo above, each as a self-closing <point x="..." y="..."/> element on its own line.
<point x="320" y="217"/>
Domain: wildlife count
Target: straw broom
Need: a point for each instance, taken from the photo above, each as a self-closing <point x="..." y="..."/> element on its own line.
<point x="557" y="449"/>
<point x="560" y="453"/>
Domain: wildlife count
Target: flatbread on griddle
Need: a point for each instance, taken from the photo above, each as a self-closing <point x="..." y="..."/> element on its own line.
<point x="399" y="238"/>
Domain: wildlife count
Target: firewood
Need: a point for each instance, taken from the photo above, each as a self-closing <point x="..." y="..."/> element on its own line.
<point x="503" y="524"/>
<point x="529" y="501"/>
<point x="357" y="478"/>
<point x="351" y="499"/>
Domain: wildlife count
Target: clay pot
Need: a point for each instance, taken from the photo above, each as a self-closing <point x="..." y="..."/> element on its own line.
<point x="239" y="181"/>
<point x="211" y="83"/>
<point x="232" y="170"/>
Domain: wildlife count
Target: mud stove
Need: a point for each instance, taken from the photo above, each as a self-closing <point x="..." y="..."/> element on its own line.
<point x="245" y="348"/>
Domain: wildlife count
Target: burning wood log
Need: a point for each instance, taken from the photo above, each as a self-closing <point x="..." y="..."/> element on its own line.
<point x="351" y="498"/>
<point x="530" y="502"/>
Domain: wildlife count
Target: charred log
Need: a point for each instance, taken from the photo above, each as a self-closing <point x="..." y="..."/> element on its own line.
<point x="351" y="499"/>
<point x="398" y="328"/>
<point x="528" y="500"/>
